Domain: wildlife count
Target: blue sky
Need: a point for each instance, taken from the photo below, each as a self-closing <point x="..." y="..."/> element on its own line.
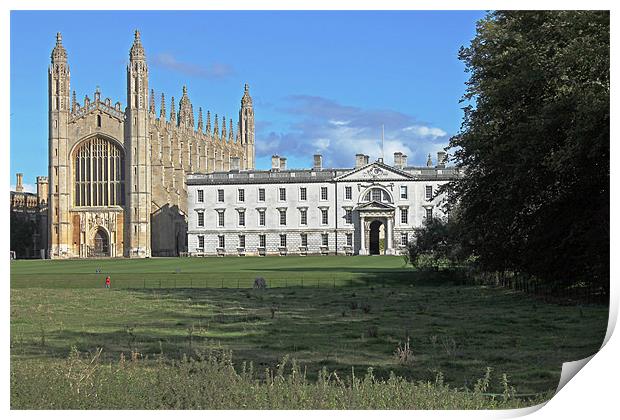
<point x="322" y="82"/>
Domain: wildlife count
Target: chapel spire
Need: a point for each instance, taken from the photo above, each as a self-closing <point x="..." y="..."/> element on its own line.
<point x="200" y="119"/>
<point x="186" y="112"/>
<point x="137" y="50"/>
<point x="59" y="54"/>
<point x="162" y="109"/>
<point x="152" y="103"/>
<point x="173" y="113"/>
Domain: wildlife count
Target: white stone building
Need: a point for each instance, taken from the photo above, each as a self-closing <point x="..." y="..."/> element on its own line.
<point x="370" y="209"/>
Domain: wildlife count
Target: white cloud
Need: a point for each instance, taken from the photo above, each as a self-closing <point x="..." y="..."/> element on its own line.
<point x="27" y="188"/>
<point x="340" y="131"/>
<point x="336" y="122"/>
<point x="424" y="131"/>
<point x="213" y="71"/>
<point x="321" y="144"/>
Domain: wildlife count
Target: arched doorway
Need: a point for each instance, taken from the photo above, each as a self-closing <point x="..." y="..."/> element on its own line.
<point x="101" y="244"/>
<point x="375" y="236"/>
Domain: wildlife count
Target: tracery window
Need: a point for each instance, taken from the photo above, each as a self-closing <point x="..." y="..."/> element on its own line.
<point x="99" y="174"/>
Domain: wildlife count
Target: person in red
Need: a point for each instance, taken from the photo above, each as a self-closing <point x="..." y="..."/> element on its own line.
<point x="107" y="282"/>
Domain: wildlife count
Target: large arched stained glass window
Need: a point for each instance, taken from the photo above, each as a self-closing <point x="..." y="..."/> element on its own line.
<point x="99" y="171"/>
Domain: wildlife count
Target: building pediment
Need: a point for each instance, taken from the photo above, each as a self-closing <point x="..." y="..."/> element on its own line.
<point x="376" y="171"/>
<point x="375" y="206"/>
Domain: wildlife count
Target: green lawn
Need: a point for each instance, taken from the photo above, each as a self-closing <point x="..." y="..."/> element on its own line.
<point x="362" y="310"/>
<point x="210" y="272"/>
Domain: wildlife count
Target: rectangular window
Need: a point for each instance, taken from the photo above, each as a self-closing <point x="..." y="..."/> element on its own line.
<point x="429" y="213"/>
<point x="303" y="194"/>
<point x="324" y="193"/>
<point x="403" y="192"/>
<point x="324" y="217"/>
<point x="282" y="194"/>
<point x="241" y="241"/>
<point x="262" y="240"/>
<point x="324" y="239"/>
<point x="201" y="241"/>
<point x="241" y="218"/>
<point x="201" y="196"/>
<point x="283" y="241"/>
<point x="349" y="239"/>
<point x="282" y="217"/>
<point x="201" y="219"/>
<point x="429" y="192"/>
<point x="376" y="194"/>
<point x="348" y="216"/>
<point x="220" y="218"/>
<point x="220" y="196"/>
<point x="220" y="241"/>
<point x="304" y="239"/>
<point x="303" y="214"/>
<point x="404" y="216"/>
<point x="261" y="217"/>
<point x="404" y="238"/>
<point x="261" y="194"/>
<point x="348" y="193"/>
<point x="241" y="195"/>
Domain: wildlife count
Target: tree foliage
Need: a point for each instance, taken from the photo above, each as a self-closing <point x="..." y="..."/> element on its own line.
<point x="22" y="231"/>
<point x="435" y="243"/>
<point x="534" y="145"/>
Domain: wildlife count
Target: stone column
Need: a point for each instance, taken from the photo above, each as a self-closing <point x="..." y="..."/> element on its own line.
<point x="362" y="236"/>
<point x="389" y="237"/>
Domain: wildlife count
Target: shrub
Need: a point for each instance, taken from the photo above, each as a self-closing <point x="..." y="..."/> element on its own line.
<point x="404" y="355"/>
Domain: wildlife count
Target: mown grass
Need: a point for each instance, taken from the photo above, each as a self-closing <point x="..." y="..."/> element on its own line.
<point x="356" y="323"/>
<point x="231" y="272"/>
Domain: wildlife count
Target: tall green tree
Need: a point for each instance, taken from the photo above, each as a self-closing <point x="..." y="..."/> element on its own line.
<point x="534" y="145"/>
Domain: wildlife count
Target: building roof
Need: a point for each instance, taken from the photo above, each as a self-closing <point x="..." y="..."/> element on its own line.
<point x="288" y="176"/>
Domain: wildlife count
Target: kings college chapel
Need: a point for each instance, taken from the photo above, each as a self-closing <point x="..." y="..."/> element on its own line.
<point x="117" y="176"/>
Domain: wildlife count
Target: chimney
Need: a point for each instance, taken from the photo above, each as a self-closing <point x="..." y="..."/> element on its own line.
<point x="429" y="162"/>
<point x="318" y="162"/>
<point x="360" y="160"/>
<point x="19" y="186"/>
<point x="442" y="158"/>
<point x="234" y="164"/>
<point x="398" y="161"/>
<point x="282" y="163"/>
<point x="275" y="163"/>
<point x="403" y="161"/>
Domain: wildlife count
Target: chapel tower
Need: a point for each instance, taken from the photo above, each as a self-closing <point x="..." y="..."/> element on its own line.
<point x="58" y="90"/>
<point x="138" y="149"/>
<point x="246" y="127"/>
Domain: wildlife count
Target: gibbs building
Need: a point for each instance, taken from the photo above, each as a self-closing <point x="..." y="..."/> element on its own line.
<point x="117" y="173"/>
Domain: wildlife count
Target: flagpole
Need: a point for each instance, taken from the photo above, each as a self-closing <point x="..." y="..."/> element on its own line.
<point x="382" y="141"/>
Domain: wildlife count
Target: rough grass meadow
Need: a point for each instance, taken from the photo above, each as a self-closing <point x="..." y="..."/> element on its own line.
<point x="328" y="332"/>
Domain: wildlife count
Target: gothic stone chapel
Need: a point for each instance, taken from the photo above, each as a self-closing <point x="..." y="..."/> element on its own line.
<point x="117" y="176"/>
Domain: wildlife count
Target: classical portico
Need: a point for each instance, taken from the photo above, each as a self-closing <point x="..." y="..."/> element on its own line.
<point x="373" y="216"/>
